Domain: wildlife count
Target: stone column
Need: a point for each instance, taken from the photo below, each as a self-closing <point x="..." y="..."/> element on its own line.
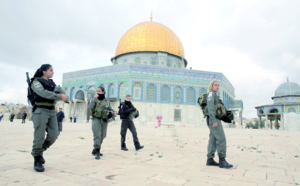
<point x="276" y="122"/>
<point x="259" y="122"/>
<point x="241" y="119"/>
<point x="86" y="109"/>
<point x="74" y="108"/>
<point x="283" y="122"/>
<point x="70" y="108"/>
<point x="271" y="125"/>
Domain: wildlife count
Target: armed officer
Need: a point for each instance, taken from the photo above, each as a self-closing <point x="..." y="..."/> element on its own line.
<point x="128" y="112"/>
<point x="44" y="116"/>
<point x="101" y="113"/>
<point x="217" y="139"/>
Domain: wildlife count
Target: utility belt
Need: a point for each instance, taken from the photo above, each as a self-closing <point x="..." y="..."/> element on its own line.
<point x="126" y="119"/>
<point x="43" y="106"/>
<point x="217" y="117"/>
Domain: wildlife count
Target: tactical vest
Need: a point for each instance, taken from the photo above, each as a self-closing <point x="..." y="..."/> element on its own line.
<point x="219" y="107"/>
<point x="47" y="85"/>
<point x="101" y="109"/>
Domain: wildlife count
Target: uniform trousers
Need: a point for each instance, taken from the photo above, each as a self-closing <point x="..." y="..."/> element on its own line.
<point x="128" y="124"/>
<point x="217" y="139"/>
<point x="43" y="118"/>
<point x="99" y="128"/>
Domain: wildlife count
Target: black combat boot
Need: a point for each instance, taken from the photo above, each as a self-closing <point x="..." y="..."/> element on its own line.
<point x="43" y="160"/>
<point x="138" y="146"/>
<point x="94" y="152"/>
<point x="38" y="166"/>
<point x="223" y="163"/>
<point x="123" y="147"/>
<point x="211" y="162"/>
<point x="97" y="155"/>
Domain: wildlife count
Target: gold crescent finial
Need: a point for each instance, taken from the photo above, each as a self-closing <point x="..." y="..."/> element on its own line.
<point x="151" y="16"/>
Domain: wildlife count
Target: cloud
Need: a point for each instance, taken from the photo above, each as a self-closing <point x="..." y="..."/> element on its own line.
<point x="255" y="44"/>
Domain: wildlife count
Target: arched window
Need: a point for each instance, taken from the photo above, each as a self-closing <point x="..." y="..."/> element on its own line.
<point x="261" y="111"/>
<point x="191" y="96"/>
<point x="202" y="91"/>
<point x="111" y="90"/>
<point x="79" y="95"/>
<point x="122" y="91"/>
<point x="178" y="95"/>
<point x="291" y="109"/>
<point x="151" y="93"/>
<point x="137" y="91"/>
<point x="165" y="93"/>
<point x="274" y="110"/>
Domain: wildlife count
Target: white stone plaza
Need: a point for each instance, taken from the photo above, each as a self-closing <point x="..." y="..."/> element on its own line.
<point x="172" y="156"/>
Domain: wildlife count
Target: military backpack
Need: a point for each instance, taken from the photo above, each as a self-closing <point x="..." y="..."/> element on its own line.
<point x="202" y="101"/>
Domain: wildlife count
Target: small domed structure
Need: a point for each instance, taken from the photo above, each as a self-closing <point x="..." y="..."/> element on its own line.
<point x="288" y="89"/>
<point x="285" y="107"/>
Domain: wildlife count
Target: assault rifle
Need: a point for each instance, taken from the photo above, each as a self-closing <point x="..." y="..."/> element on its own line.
<point x="29" y="91"/>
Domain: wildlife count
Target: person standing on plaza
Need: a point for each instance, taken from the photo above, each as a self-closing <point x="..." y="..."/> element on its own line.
<point x="24" y="116"/>
<point x="43" y="113"/>
<point x="75" y="118"/>
<point x="128" y="112"/>
<point x="217" y="139"/>
<point x="12" y="116"/>
<point x="1" y="116"/>
<point x="101" y="113"/>
<point x="60" y="116"/>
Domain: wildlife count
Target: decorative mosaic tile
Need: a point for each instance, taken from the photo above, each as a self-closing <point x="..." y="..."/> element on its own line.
<point x="153" y="61"/>
<point x="169" y="63"/>
<point x="138" y="60"/>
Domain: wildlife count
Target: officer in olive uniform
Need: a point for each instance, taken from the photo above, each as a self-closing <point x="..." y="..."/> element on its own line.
<point x="101" y="113"/>
<point x="128" y="112"/>
<point x="44" y="115"/>
<point x="217" y="139"/>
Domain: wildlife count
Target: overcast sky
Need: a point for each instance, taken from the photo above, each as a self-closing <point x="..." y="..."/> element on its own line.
<point x="255" y="44"/>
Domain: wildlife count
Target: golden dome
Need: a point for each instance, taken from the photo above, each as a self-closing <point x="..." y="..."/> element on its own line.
<point x="150" y="36"/>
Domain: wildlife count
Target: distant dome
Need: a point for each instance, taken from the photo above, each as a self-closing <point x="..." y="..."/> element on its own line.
<point x="287" y="89"/>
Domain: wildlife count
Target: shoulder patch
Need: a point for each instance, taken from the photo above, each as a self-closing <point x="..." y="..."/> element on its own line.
<point x="37" y="84"/>
<point x="209" y="96"/>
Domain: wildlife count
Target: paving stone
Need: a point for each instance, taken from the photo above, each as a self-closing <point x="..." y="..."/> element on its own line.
<point x="269" y="157"/>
